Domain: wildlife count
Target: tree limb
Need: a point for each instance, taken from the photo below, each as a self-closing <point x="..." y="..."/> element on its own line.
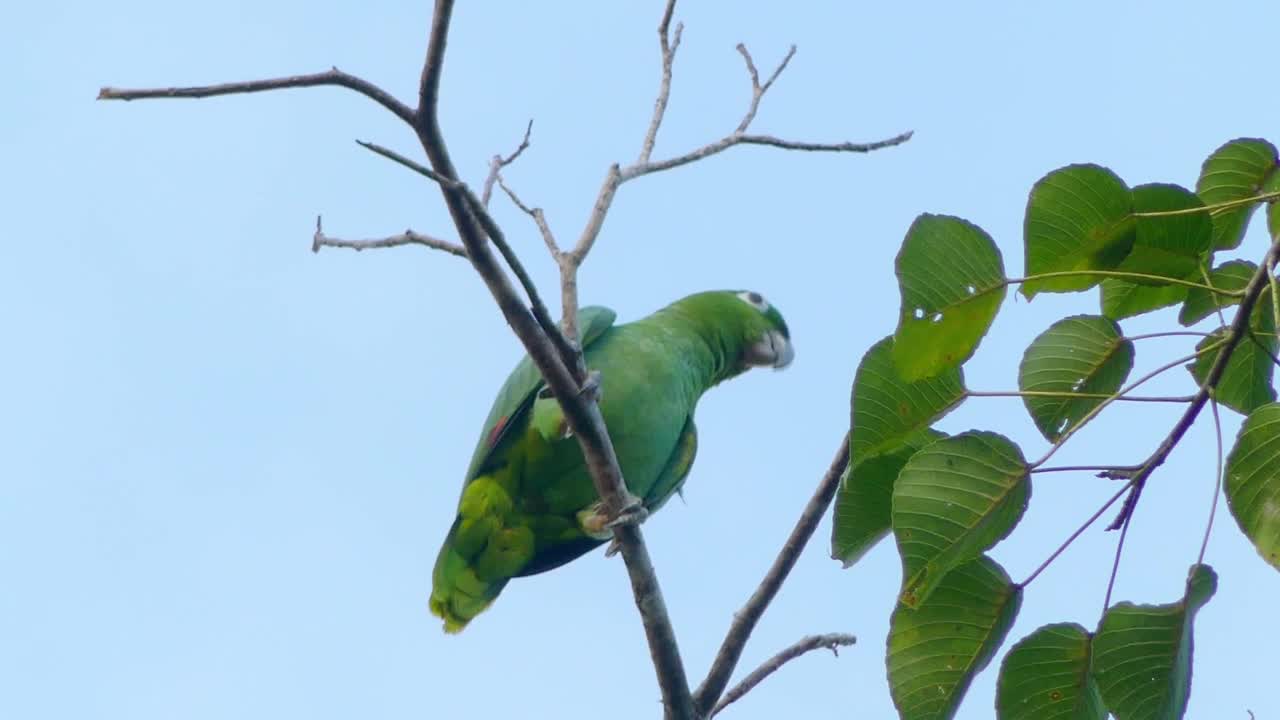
<point x="498" y="162"/>
<point x="581" y="411"/>
<point x="617" y="175"/>
<point x="830" y="641"/>
<point x="408" y="237"/>
<point x="744" y="621"/>
<point x="333" y="76"/>
<point x="554" y="350"/>
<point x="1239" y="327"/>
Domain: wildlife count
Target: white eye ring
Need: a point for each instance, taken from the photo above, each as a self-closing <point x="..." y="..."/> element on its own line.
<point x="754" y="299"/>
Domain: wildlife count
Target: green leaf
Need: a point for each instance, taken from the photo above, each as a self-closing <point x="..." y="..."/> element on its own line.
<point x="1273" y="206"/>
<point x="936" y="650"/>
<point x="1246" y="381"/>
<point x="888" y="408"/>
<point x="1200" y="304"/>
<point x="1142" y="653"/>
<point x="1253" y="481"/>
<point x="1079" y="354"/>
<point x="1122" y="299"/>
<point x="1079" y="217"/>
<point x="952" y="281"/>
<point x="953" y="500"/>
<point x="1172" y="246"/>
<point x="865" y="500"/>
<point x="1237" y="170"/>
<point x="1045" y="676"/>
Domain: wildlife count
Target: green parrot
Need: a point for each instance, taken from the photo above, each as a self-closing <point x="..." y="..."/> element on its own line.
<point x="528" y="503"/>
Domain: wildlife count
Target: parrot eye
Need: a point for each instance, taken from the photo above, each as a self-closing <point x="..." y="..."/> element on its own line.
<point x="754" y="299"/>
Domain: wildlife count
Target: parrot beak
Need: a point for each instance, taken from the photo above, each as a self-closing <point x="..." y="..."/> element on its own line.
<point x="773" y="350"/>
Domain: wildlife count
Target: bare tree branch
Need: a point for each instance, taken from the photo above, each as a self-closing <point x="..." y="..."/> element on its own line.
<point x="668" y="47"/>
<point x="539" y="219"/>
<point x="408" y="237"/>
<point x="498" y="162"/>
<point x="1239" y="328"/>
<point x="413" y="165"/>
<point x="744" y="621"/>
<point x="729" y="141"/>
<point x="581" y="411"/>
<point x="333" y="76"/>
<point x="830" y="641"/>
<point x="553" y="349"/>
<point x="616" y="175"/>
<point x="758" y="90"/>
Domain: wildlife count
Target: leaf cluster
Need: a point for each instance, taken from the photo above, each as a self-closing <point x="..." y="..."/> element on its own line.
<point x="948" y="499"/>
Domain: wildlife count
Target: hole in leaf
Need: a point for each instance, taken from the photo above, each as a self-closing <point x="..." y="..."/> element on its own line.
<point x="937" y="318"/>
<point x="972" y="290"/>
<point x="918" y="314"/>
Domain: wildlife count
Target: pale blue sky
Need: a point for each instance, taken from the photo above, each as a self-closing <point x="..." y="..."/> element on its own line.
<point x="226" y="463"/>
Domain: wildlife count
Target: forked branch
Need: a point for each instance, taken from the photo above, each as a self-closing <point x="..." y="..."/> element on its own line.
<point x="744" y="621"/>
<point x="554" y="349"/>
<point x="831" y="641"/>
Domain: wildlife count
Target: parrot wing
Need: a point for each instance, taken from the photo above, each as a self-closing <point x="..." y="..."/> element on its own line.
<point x="672" y="477"/>
<point x="521" y="388"/>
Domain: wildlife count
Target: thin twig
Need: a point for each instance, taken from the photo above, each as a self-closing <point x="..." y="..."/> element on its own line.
<point x="408" y="237"/>
<point x="333" y="76"/>
<point x="758" y="90"/>
<point x="744" y="621"/>
<point x="498" y="163"/>
<point x="635" y="171"/>
<point x="1079" y="531"/>
<point x="830" y="641"/>
<point x="539" y="219"/>
<point x="668" y="47"/>
<point x="414" y="165"/>
<point x="1217" y="480"/>
<point x="616" y="175"/>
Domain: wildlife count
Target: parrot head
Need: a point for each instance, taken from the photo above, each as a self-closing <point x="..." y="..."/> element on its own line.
<point x="768" y="339"/>
<point x="746" y="327"/>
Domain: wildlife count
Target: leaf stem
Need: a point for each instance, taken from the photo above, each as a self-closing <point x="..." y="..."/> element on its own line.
<point x="1217" y="485"/>
<point x="1161" y="279"/>
<point x="1123" y="391"/>
<point x="1214" y="208"/>
<point x="1079" y="531"/>
<point x="1077" y="395"/>
<point x="1172" y="333"/>
<point x="1112" y="472"/>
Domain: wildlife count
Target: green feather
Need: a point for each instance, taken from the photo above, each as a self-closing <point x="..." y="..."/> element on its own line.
<point x="527" y="490"/>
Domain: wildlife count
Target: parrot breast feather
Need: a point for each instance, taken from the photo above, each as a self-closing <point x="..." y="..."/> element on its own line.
<point x="518" y="392"/>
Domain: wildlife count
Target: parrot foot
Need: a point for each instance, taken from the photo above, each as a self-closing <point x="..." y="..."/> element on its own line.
<point x="633" y="514"/>
<point x="613" y="549"/>
<point x="591" y="387"/>
<point x="596" y="523"/>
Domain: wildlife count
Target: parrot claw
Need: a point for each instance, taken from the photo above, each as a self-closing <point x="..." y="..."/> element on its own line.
<point x="613" y="549"/>
<point x="633" y="514"/>
<point x="595" y="523"/>
<point x="591" y="386"/>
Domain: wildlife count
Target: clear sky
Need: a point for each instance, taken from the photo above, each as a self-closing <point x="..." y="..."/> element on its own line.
<point x="226" y="463"/>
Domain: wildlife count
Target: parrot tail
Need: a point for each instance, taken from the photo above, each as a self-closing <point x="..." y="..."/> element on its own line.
<point x="486" y="547"/>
